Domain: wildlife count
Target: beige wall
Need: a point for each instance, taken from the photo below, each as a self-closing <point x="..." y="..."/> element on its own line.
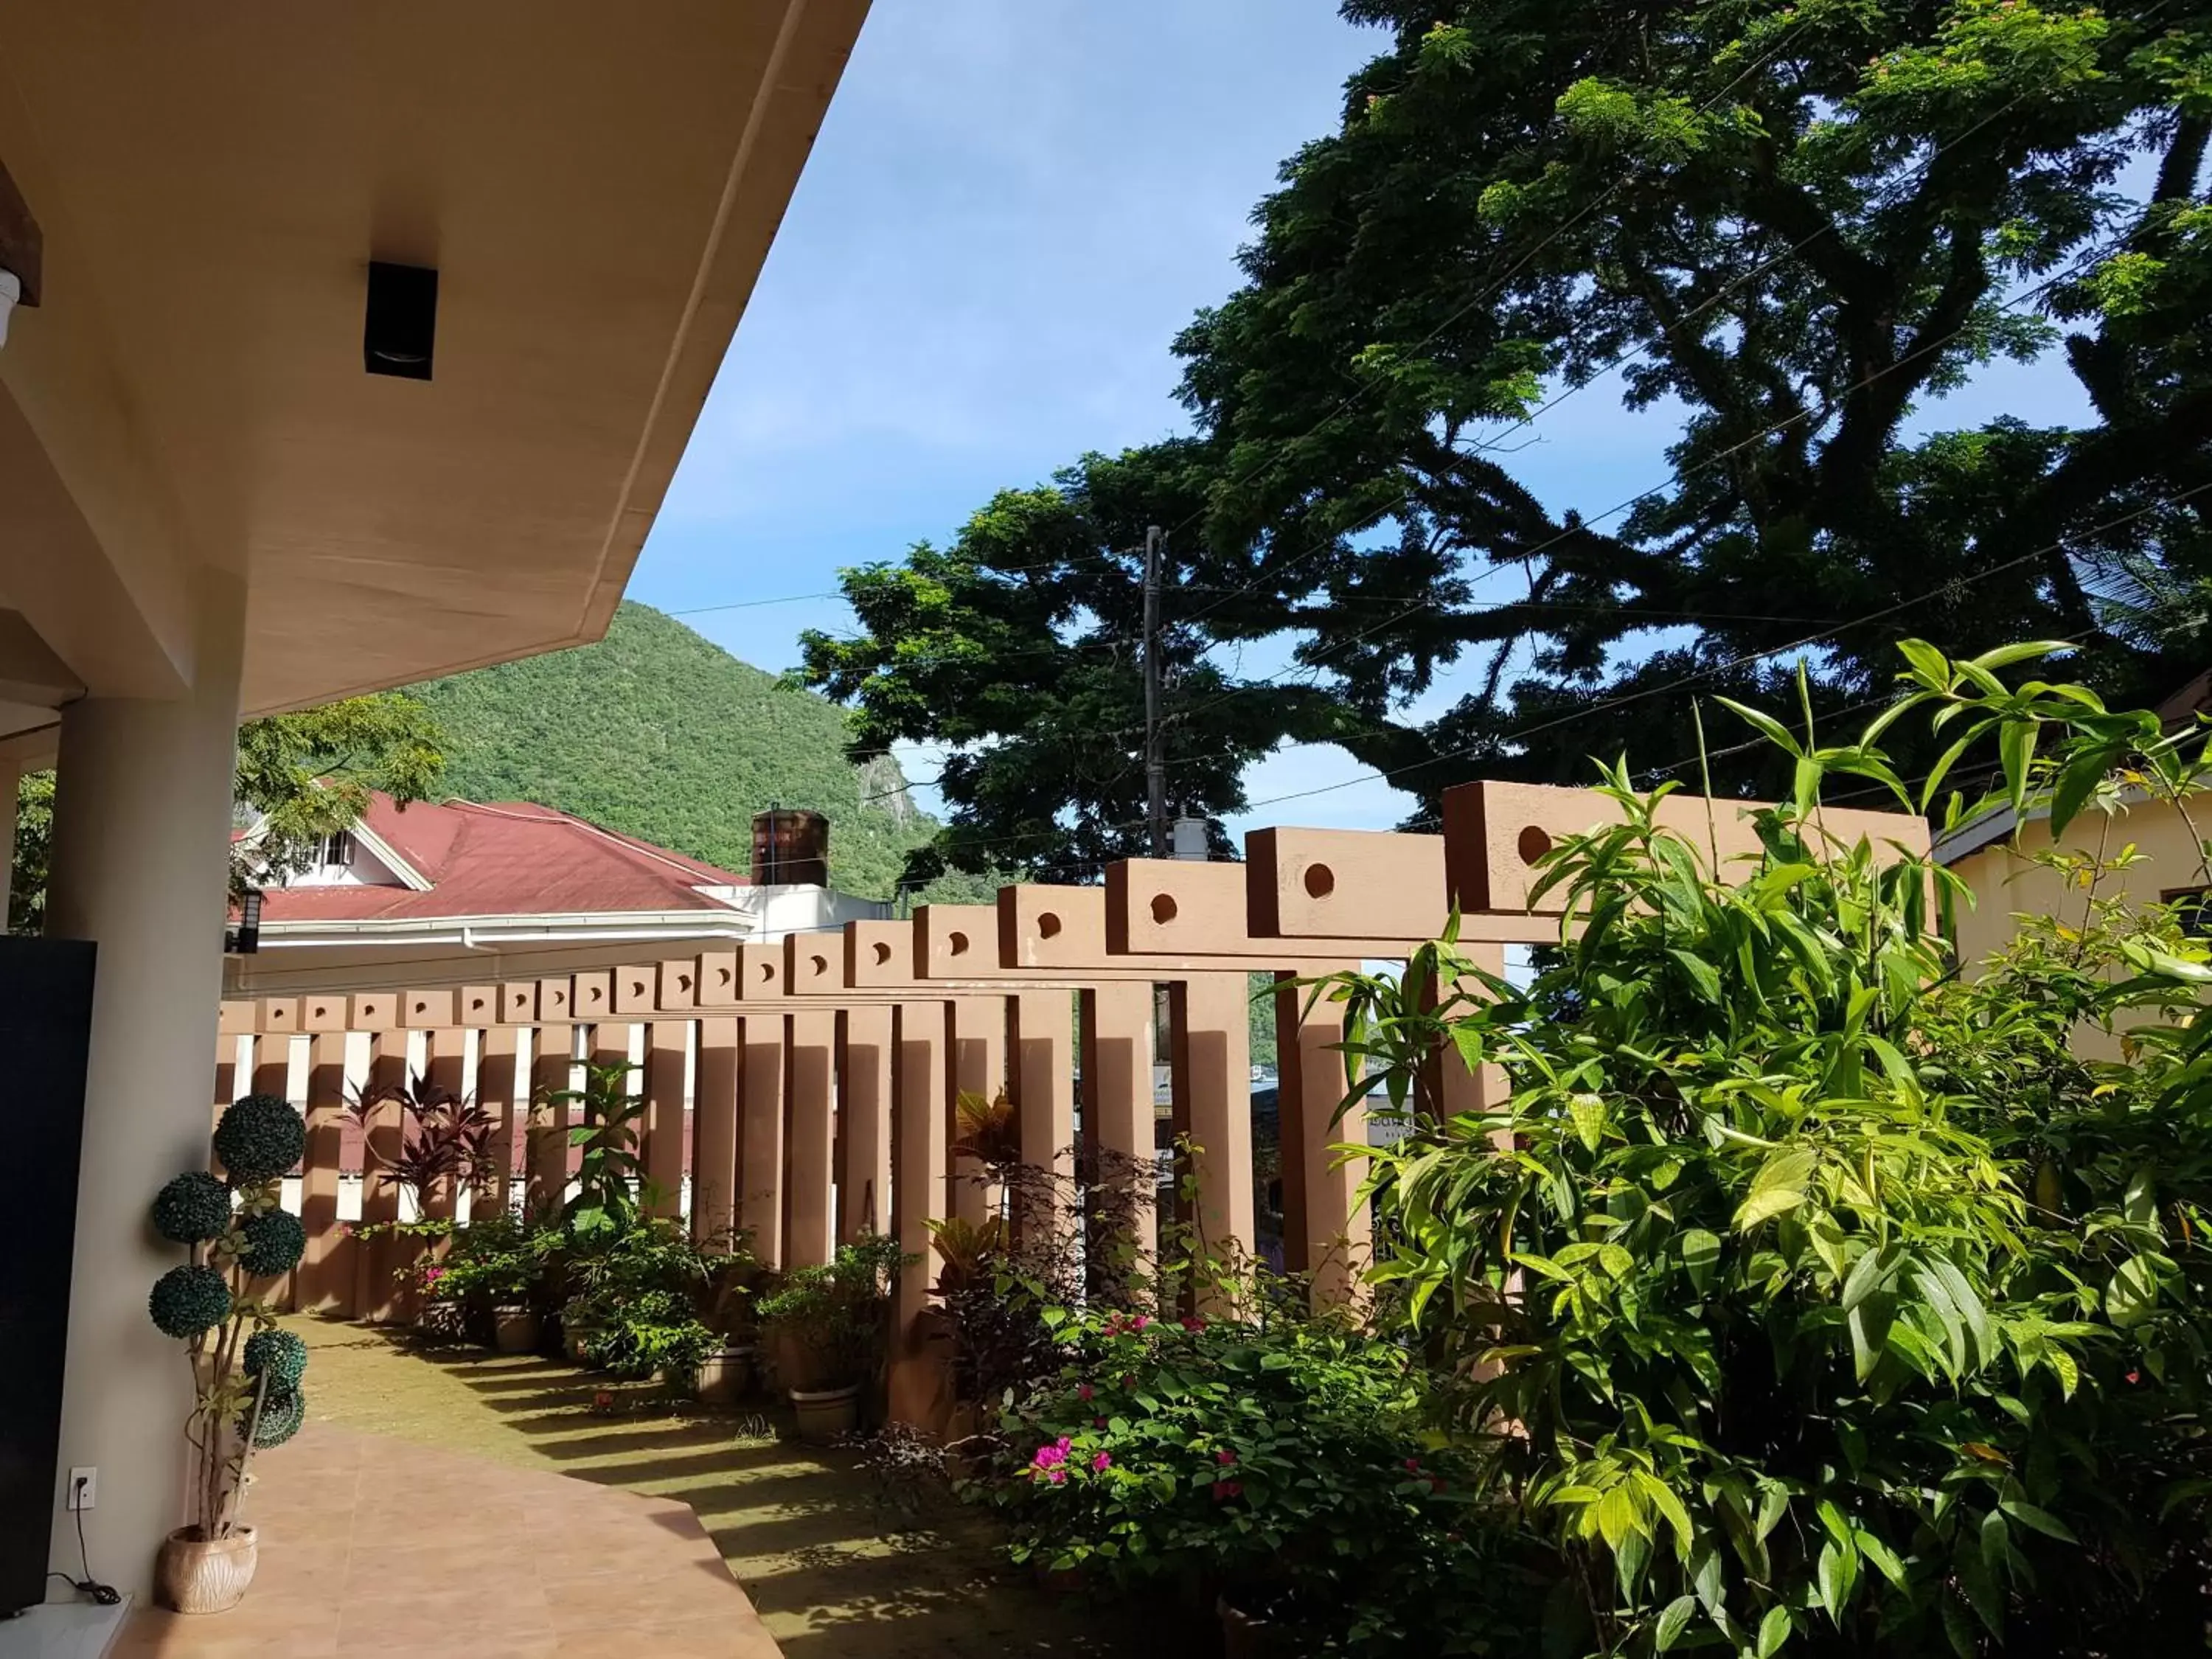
<point x="2007" y="884"/>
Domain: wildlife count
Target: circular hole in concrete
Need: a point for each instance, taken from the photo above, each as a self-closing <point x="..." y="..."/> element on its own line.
<point x="882" y="952"/>
<point x="1048" y="926"/>
<point x="957" y="944"/>
<point x="1163" y="908"/>
<point x="1534" y="844"/>
<point x="1321" y="881"/>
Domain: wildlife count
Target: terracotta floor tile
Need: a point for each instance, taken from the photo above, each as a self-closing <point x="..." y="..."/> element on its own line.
<point x="379" y="1549"/>
<point x="725" y="1637"/>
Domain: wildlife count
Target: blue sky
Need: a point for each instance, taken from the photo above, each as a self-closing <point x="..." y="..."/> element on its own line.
<point x="1012" y="207"/>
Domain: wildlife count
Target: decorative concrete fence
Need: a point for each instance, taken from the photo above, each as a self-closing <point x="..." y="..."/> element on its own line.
<point x="822" y="1072"/>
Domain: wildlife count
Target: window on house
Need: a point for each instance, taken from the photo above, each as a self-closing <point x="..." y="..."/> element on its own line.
<point x="336" y="850"/>
<point x="2194" y="906"/>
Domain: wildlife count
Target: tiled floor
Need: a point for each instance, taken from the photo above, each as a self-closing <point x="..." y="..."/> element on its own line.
<point x="377" y="1547"/>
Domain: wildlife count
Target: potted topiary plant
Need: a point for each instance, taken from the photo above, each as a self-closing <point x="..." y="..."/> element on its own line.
<point x="838" y="1317"/>
<point x="246" y="1371"/>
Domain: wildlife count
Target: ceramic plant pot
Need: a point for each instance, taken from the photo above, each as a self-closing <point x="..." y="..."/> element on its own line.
<point x="200" y="1575"/>
<point x="514" y="1329"/>
<point x="828" y="1415"/>
<point x="726" y="1376"/>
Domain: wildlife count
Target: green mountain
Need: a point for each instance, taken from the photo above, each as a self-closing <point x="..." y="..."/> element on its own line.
<point x="659" y="733"/>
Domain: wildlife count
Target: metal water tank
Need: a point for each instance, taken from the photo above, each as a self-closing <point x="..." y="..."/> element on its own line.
<point x="791" y="848"/>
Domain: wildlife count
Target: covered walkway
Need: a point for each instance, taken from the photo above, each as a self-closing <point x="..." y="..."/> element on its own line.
<point x="382" y="1546"/>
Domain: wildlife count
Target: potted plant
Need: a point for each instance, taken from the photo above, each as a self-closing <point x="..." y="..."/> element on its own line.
<point x="838" y="1316"/>
<point x="246" y="1371"/>
<point x="725" y="1374"/>
<point x="492" y="1277"/>
<point x="444" y="1147"/>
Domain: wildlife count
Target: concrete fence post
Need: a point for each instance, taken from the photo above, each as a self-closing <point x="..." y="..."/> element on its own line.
<point x="1041" y="1041"/>
<point x="1119" y="1126"/>
<point x="714" y="1131"/>
<point x="760" y="1137"/>
<point x="1210" y="1050"/>
<point x="811" y="1087"/>
<point x="919" y="1384"/>
<point x="667" y="1056"/>
<point x="1323" y="1234"/>
<point x="864" y="1121"/>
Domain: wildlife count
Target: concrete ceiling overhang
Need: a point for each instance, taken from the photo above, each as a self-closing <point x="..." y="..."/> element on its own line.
<point x="597" y="186"/>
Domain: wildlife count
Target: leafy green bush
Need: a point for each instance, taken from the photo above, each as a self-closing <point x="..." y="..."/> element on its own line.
<point x="1807" y="1291"/>
<point x="260" y="1138"/>
<point x="497" y="1261"/>
<point x="840" y="1311"/>
<point x="194" y="1208"/>
<point x="1289" y="1464"/>
<point x="639" y="1296"/>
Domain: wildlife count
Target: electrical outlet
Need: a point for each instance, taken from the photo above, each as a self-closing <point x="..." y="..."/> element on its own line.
<point x="83" y="1489"/>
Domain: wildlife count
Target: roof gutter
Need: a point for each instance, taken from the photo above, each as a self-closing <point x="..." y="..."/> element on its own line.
<point x="490" y="932"/>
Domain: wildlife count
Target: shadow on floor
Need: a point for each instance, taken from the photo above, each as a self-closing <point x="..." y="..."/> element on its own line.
<point x="834" y="1572"/>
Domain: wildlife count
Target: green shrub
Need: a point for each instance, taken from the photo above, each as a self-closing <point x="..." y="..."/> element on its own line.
<point x="192" y="1209"/>
<point x="260" y="1138"/>
<point x="641" y="1290"/>
<point x="189" y="1300"/>
<point x="280" y="1354"/>
<point x="1290" y="1462"/>
<point x="840" y="1310"/>
<point x="1812" y="1292"/>
<point x="282" y="1414"/>
<point x="498" y="1261"/>
<point x="274" y="1241"/>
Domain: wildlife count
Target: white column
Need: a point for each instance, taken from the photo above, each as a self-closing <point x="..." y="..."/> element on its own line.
<point x="141" y="838"/>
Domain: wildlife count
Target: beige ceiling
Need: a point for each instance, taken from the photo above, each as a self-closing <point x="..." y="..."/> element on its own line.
<point x="597" y="185"/>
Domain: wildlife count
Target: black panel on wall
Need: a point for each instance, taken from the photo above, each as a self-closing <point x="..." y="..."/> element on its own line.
<point x="46" y="1022"/>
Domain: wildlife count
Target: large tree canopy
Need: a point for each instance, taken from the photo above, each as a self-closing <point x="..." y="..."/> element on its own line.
<point x="1786" y="230"/>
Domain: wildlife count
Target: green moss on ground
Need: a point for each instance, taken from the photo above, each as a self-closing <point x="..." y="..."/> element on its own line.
<point x="836" y="1568"/>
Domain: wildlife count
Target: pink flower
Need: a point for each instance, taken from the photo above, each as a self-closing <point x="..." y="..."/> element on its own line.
<point x="1102" y="1462"/>
<point x="1056" y="1477"/>
<point x="1097" y="1422"/>
<point x="1193" y="1322"/>
<point x="2134" y="1376"/>
<point x="1225" y="1490"/>
<point x="1141" y="1322"/>
<point x="1224" y="1456"/>
<point x="1050" y="1457"/>
<point x="1085" y="1392"/>
<point x="1413" y="1466"/>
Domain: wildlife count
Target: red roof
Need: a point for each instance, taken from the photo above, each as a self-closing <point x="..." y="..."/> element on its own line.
<point x="506" y="860"/>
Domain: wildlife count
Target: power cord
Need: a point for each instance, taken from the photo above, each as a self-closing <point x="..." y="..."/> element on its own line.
<point x="99" y="1594"/>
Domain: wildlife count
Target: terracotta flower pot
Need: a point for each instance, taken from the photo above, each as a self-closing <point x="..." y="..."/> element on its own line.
<point x="828" y="1415"/>
<point x="514" y="1329"/>
<point x="203" y="1575"/>
<point x="725" y="1376"/>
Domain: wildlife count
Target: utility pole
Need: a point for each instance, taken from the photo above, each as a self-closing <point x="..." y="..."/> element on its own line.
<point x="1156" y="765"/>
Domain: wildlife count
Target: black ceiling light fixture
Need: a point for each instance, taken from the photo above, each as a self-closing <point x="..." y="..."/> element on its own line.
<point x="402" y="320"/>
